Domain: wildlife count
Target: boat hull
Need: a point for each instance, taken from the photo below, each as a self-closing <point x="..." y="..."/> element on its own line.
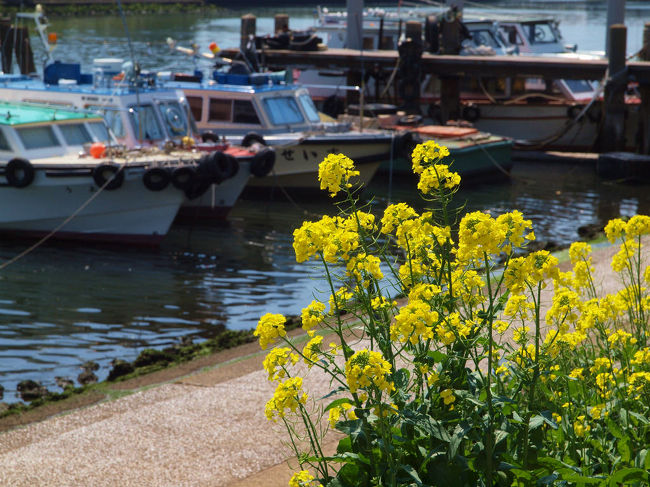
<point x="471" y="157"/>
<point x="297" y="160"/>
<point x="218" y="200"/>
<point x="69" y="205"/>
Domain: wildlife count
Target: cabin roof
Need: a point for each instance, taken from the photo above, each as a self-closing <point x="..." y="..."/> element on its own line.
<point x="20" y="114"/>
<point x="229" y="88"/>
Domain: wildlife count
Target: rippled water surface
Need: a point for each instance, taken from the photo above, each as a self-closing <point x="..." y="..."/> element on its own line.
<point x="64" y="304"/>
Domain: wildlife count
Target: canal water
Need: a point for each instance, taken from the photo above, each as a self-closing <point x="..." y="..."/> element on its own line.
<point x="62" y="305"/>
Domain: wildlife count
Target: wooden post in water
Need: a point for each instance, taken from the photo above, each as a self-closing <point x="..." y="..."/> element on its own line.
<point x="248" y="28"/>
<point x="24" y="53"/>
<point x="612" y="134"/>
<point x="6" y="44"/>
<point x="409" y="71"/>
<point x="644" y="88"/>
<point x="281" y="23"/>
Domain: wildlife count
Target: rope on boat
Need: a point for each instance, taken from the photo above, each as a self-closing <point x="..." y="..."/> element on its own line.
<point x="541" y="143"/>
<point x="60" y="226"/>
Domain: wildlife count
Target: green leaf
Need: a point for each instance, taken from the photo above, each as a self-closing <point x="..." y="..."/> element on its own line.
<point x="639" y="417"/>
<point x="615" y="429"/>
<point x="344" y="446"/>
<point x="548" y="479"/>
<point x="499" y="436"/>
<point x="401" y="378"/>
<point x="628" y="475"/>
<point x="412" y="473"/>
<point x="623" y="447"/>
<point x="337" y="403"/>
<point x="456" y="439"/>
<point x="436" y="356"/>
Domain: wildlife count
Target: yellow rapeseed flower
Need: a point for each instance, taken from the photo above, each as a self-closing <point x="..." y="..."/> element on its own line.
<point x="366" y="368"/>
<point x="335" y="171"/>
<point x="269" y="328"/>
<point x="303" y="479"/>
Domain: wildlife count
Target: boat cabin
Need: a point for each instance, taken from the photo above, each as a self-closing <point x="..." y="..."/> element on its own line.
<point x="137" y="110"/>
<point x="534" y="36"/>
<point x="232" y="104"/>
<point x="32" y="132"/>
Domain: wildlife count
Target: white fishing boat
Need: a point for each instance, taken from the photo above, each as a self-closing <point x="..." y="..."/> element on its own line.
<point x="62" y="176"/>
<point x="140" y="113"/>
<point x="260" y="109"/>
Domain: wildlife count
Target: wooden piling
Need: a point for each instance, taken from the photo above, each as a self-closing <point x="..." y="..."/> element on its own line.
<point x="248" y="28"/>
<point x="6" y="44"/>
<point x="281" y="23"/>
<point x="644" y="89"/>
<point x="612" y="134"/>
<point x="413" y="31"/>
<point x="24" y="53"/>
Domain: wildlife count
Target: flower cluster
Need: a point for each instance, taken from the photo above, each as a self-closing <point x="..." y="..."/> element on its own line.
<point x="335" y="171"/>
<point x="367" y="368"/>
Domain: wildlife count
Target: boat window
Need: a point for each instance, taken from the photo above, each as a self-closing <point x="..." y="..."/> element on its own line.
<point x="145" y="123"/>
<point x="220" y="110"/>
<point x="283" y="110"/>
<point x="196" y="105"/>
<point x="174" y="117"/>
<point x="75" y="134"/>
<point x="309" y="108"/>
<point x="113" y="119"/>
<point x="4" y="143"/>
<point x="540" y="33"/>
<point x="243" y="111"/>
<point x="579" y="85"/>
<point x="99" y="131"/>
<point x="511" y="34"/>
<point x="484" y="38"/>
<point x="37" y="137"/>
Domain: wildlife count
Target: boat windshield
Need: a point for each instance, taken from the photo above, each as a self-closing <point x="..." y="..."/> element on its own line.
<point x="37" y="137"/>
<point x="484" y="37"/>
<point x="99" y="131"/>
<point x="113" y="119"/>
<point x="309" y="108"/>
<point x="174" y="117"/>
<point x="75" y="134"/>
<point x="4" y="143"/>
<point x="540" y="33"/>
<point x="283" y="110"/>
<point x="145" y="123"/>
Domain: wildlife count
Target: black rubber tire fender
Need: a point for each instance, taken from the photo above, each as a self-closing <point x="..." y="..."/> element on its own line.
<point x="262" y="163"/>
<point x="183" y="177"/>
<point x="156" y="178"/>
<point x="209" y="137"/>
<point x="251" y="138"/>
<point x="19" y="172"/>
<point x="108" y="172"/>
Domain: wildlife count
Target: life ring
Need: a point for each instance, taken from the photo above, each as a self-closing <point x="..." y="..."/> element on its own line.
<point x="251" y="138"/>
<point x="183" y="177"/>
<point x="156" y="178"/>
<point x="573" y="112"/>
<point x="471" y="113"/>
<point x="110" y="175"/>
<point x="209" y="137"/>
<point x="262" y="163"/>
<point x="412" y="120"/>
<point x="19" y="172"/>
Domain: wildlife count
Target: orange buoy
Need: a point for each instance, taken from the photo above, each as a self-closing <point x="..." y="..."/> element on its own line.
<point x="97" y="150"/>
<point x="213" y="48"/>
